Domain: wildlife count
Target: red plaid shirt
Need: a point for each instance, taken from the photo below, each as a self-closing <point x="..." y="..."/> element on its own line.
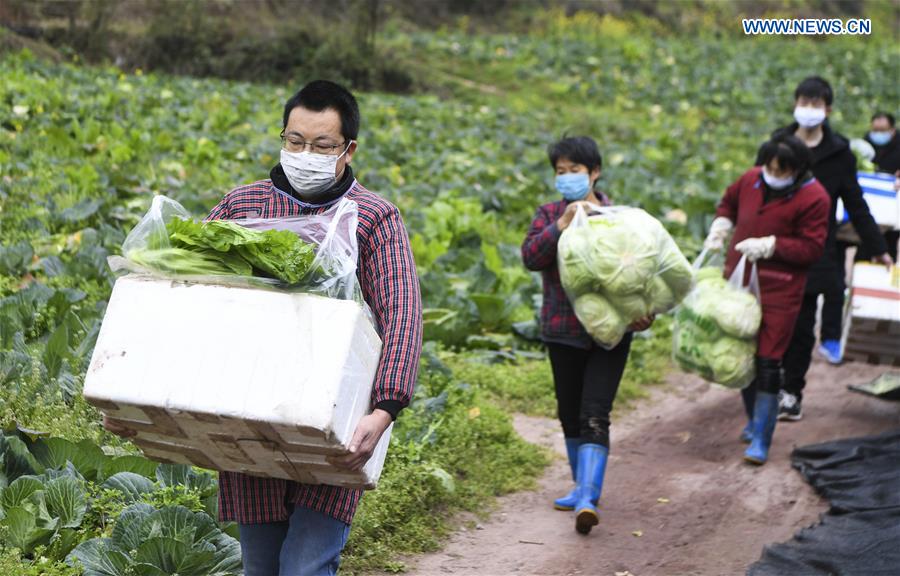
<point x="558" y="320"/>
<point x="387" y="277"/>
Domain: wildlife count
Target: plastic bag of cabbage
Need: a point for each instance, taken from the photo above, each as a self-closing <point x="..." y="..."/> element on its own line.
<point x="716" y="327"/>
<point x="619" y="265"/>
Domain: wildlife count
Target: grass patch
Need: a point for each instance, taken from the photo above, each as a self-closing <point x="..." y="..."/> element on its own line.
<point x="452" y="450"/>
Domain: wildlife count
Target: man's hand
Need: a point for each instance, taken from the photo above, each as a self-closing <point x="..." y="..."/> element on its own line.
<point x="757" y="248"/>
<point x="365" y="438"/>
<point x="118" y="429"/>
<point x="884" y="259"/>
<point x="642" y="324"/>
<point x="718" y="232"/>
<point x="567" y="216"/>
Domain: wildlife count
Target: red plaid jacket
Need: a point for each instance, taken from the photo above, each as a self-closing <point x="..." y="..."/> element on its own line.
<point x="558" y="320"/>
<point x="387" y="277"/>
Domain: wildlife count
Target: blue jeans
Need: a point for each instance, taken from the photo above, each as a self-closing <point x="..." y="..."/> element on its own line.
<point x="309" y="543"/>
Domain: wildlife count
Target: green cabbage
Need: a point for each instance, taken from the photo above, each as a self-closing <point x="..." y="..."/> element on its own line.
<point x="677" y="273"/>
<point x="629" y="262"/>
<point x="574" y="268"/>
<point x="732" y="362"/>
<point x="709" y="273"/>
<point x="661" y="297"/>
<point x="632" y="306"/>
<point x="600" y="319"/>
<point x="736" y="312"/>
<point x="715" y="331"/>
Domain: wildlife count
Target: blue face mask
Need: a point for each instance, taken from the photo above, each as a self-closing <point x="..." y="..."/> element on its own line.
<point x="880" y="138"/>
<point x="573" y="186"/>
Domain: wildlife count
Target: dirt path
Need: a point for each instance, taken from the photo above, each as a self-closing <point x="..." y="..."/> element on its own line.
<point x="678" y="500"/>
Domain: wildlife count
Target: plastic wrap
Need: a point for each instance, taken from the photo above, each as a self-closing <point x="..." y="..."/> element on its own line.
<point x="717" y="324"/>
<point x="328" y="268"/>
<point x="619" y="265"/>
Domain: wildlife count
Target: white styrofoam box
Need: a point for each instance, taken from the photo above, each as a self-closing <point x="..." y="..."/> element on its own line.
<point x="248" y="380"/>
<point x="872" y="321"/>
<point x="879" y="194"/>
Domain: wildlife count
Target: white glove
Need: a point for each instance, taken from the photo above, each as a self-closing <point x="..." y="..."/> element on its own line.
<point x="757" y="248"/>
<point x="718" y="232"/>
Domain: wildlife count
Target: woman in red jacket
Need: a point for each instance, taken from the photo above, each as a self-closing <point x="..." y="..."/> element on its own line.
<point x="779" y="214"/>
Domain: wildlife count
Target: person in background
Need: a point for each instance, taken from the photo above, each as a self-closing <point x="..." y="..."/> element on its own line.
<point x="834" y="166"/>
<point x="586" y="376"/>
<point x="779" y="215"/>
<point x="884" y="139"/>
<point x="886" y="147"/>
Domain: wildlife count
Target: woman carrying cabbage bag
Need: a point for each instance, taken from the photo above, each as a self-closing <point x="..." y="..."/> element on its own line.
<point x="586" y="376"/>
<point x="779" y="214"/>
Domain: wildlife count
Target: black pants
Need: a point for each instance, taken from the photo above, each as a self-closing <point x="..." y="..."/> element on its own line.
<point x="586" y="385"/>
<point x="833" y="305"/>
<point x="799" y="354"/>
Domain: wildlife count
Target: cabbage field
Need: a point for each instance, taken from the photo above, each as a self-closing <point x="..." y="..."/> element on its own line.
<point x="83" y="149"/>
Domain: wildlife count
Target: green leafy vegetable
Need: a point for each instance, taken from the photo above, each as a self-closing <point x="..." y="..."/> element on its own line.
<point x="629" y="262"/>
<point x="715" y="331"/>
<point x="223" y="248"/>
<point x="600" y="318"/>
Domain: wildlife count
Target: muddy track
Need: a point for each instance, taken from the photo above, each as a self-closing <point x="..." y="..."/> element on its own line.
<point x="678" y="500"/>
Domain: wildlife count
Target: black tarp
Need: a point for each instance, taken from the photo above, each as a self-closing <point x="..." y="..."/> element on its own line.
<point x="860" y="533"/>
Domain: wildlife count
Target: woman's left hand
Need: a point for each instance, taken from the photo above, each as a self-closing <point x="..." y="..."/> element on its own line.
<point x="642" y="324"/>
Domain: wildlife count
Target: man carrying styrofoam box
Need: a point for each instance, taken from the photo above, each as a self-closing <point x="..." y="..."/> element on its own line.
<point x="287" y="527"/>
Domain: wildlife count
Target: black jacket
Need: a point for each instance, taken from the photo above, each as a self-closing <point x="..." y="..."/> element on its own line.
<point x="887" y="157"/>
<point x="834" y="165"/>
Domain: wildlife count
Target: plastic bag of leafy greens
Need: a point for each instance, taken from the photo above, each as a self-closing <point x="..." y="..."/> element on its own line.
<point x="625" y="256"/>
<point x="715" y="328"/>
<point x="333" y="233"/>
<point x="312" y="253"/>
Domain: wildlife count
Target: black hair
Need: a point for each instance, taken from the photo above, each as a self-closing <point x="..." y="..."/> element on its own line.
<point x="815" y="87"/>
<point x="889" y="117"/>
<point x="790" y="151"/>
<point x="578" y="149"/>
<point x="321" y="95"/>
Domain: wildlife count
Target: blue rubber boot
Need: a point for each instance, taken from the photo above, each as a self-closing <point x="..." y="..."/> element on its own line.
<point x="567" y="502"/>
<point x="748" y="395"/>
<point x="765" y="414"/>
<point x="589" y="477"/>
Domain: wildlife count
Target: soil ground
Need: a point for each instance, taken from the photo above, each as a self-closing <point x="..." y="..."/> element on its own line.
<point x="678" y="499"/>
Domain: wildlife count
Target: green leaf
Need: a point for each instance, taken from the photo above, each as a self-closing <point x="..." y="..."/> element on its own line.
<point x="53" y="453"/>
<point x="25" y="531"/>
<point x="65" y="499"/>
<point x="100" y="557"/>
<point x="131" y="485"/>
<point x="15" y="458"/>
<point x="20" y="492"/>
<point x="162" y="555"/>
<point x="129" y="530"/>
<point x="136" y="464"/>
<point x="81" y="211"/>
<point x="175" y="522"/>
<point x="57" y="350"/>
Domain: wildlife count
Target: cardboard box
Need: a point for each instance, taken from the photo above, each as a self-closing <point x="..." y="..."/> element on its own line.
<point x="872" y="320"/>
<point x="257" y="381"/>
<point x="884" y="204"/>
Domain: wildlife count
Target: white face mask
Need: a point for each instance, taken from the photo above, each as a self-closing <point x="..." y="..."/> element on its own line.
<point x="809" y="117"/>
<point x="776" y="183"/>
<point x="310" y="173"/>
